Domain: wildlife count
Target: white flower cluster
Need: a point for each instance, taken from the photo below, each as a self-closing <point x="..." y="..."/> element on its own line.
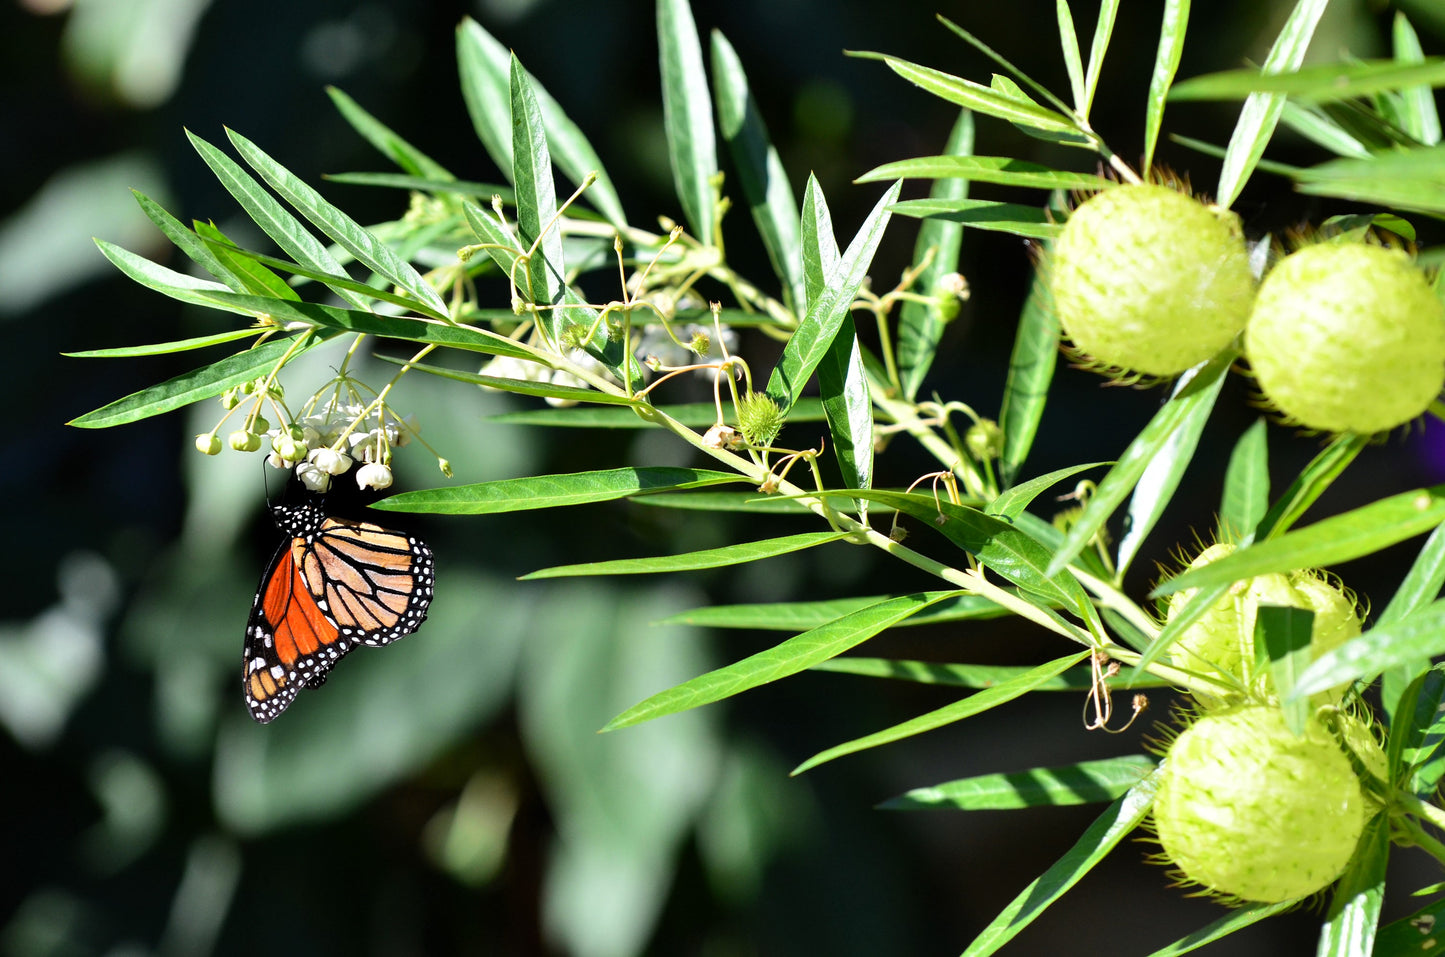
<point x="310" y="445"/>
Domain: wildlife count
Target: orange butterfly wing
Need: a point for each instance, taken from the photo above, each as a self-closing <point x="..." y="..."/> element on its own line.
<point x="335" y="584"/>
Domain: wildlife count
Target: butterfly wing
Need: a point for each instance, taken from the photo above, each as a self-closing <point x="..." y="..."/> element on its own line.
<point x="290" y="641"/>
<point x="374" y="583"/>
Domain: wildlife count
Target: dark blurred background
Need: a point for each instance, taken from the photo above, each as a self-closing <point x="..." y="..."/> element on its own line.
<point x="450" y="795"/>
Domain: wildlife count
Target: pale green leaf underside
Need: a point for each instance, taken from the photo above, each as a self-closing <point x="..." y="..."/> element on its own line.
<point x="550" y="491"/>
<point x="693" y="561"/>
<point x="1082" y="783"/>
<point x="788" y="658"/>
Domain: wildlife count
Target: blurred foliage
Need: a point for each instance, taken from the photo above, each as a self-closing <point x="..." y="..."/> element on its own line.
<point x="450" y="793"/>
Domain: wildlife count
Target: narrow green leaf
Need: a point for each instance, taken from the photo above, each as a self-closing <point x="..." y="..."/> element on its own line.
<point x="1406" y="179"/>
<point x="224" y="247"/>
<point x="692" y="414"/>
<point x="788" y="658"/>
<point x="162" y="348"/>
<point x="754" y="502"/>
<point x="1103" y="30"/>
<point x="1027" y="221"/>
<point x="284" y="312"/>
<point x="387" y="141"/>
<point x="421" y="184"/>
<point x="760" y="170"/>
<point x="536" y="203"/>
<point x="921" y="324"/>
<point x="1187" y="409"/>
<point x="843" y="385"/>
<point x="1030" y="371"/>
<point x="520" y="386"/>
<point x="810" y="342"/>
<point x="999" y="545"/>
<point x="948" y="714"/>
<point x="341" y="228"/>
<point x="1162" y="474"/>
<point x="486" y="90"/>
<point x="168" y="282"/>
<point x="187" y="241"/>
<point x="204" y="383"/>
<point x="1073" y="59"/>
<point x="974" y="676"/>
<point x="800" y="616"/>
<point x="1166" y="65"/>
<point x="692" y="561"/>
<point x="1246" y="485"/>
<point x="1001" y="81"/>
<point x="1203" y="599"/>
<point x="979" y="98"/>
<point x="1353" y="918"/>
<point x="1282" y="640"/>
<point x="1310" y="484"/>
<point x="687" y="117"/>
<point x="1014" y="500"/>
<point x="819" y="246"/>
<point x="485" y="66"/>
<point x="1316" y="84"/>
<point x="1315" y="125"/>
<point x="1339" y="538"/>
<point x="1421" y="585"/>
<point x="1421" y="119"/>
<point x="1414" y="637"/>
<point x="1109" y="829"/>
<point x="1261" y="110"/>
<point x="1084" y="783"/>
<point x="550" y="491"/>
<point x="252" y="276"/>
<point x="1237" y="919"/>
<point x="986" y="169"/>
<point x="286" y="230"/>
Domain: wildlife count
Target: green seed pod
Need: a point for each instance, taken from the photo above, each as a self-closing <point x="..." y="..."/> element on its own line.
<point x="1347" y="337"/>
<point x="1150" y="281"/>
<point x="1214" y="645"/>
<point x="759" y="419"/>
<point x="1253" y="812"/>
<point x="1221" y="643"/>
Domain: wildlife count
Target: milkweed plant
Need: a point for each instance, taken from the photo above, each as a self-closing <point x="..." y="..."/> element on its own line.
<point x="1289" y="775"/>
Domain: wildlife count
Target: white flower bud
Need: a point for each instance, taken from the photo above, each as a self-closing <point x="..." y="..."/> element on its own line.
<point x="312" y="477"/>
<point x="330" y="461"/>
<point x="373" y="475"/>
<point x="208" y="443"/>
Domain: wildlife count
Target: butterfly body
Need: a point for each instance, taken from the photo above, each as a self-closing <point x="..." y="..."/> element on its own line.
<point x="332" y="585"/>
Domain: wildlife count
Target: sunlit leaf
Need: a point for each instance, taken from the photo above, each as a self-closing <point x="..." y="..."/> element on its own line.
<point x="1084" y="783"/>
<point x="204" y="383"/>
<point x="788" y="658"/>
<point x="687" y="116"/>
<point x="550" y="491"/>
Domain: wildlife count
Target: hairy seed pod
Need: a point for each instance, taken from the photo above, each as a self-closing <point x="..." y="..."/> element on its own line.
<point x="1253" y="812"/>
<point x="1347" y="337"/>
<point x="1147" y="280"/>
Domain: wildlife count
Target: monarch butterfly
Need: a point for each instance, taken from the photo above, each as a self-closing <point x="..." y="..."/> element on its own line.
<point x="332" y="585"/>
